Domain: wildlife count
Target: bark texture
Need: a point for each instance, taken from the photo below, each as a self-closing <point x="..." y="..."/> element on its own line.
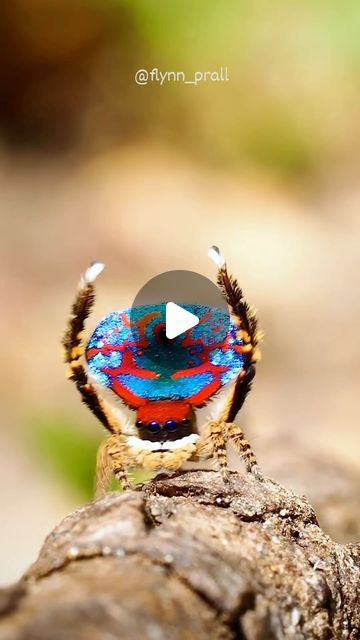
<point x="188" y="558"/>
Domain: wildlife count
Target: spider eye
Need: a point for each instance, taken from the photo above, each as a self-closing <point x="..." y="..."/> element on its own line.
<point x="171" y="425"/>
<point x="153" y="426"/>
<point x="186" y="422"/>
<point x="139" y="424"/>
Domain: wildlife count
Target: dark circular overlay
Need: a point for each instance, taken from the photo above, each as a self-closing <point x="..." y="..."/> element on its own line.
<point x="181" y="287"/>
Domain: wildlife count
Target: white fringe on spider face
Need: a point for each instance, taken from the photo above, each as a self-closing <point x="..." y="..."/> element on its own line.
<point x="169" y="445"/>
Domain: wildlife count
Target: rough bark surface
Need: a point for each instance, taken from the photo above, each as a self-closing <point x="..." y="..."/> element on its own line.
<point x="189" y="558"/>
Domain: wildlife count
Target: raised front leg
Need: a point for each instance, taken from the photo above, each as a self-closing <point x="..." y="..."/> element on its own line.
<point x="243" y="315"/>
<point x="74" y="347"/>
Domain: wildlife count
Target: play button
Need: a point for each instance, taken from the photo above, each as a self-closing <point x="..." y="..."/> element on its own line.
<point x="178" y="320"/>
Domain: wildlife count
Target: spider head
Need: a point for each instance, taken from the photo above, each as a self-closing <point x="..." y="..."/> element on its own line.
<point x="161" y="421"/>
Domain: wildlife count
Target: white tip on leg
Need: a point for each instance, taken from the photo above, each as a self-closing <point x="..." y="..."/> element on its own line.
<point x="215" y="255"/>
<point x="93" y="272"/>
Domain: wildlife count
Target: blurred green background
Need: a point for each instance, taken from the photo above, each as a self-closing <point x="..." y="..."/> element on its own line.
<point x="290" y="105"/>
<point x="93" y="165"/>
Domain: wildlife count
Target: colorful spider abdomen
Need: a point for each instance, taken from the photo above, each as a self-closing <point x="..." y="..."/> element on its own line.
<point x="130" y="354"/>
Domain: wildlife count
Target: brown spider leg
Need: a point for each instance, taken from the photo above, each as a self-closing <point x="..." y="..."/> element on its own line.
<point x="111" y="459"/>
<point x="204" y="447"/>
<point x="173" y="460"/>
<point x="74" y="349"/>
<point x="217" y="437"/>
<point x="103" y="469"/>
<point x="235" y="432"/>
<point x="236" y="399"/>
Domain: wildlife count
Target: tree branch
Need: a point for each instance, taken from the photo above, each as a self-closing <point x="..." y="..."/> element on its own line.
<point x="188" y="558"/>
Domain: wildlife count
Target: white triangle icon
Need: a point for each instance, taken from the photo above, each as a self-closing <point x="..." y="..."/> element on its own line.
<point x="178" y="320"/>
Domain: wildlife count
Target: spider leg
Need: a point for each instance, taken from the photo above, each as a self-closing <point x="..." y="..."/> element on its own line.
<point x="80" y="310"/>
<point x="112" y="458"/>
<point x="117" y="452"/>
<point x="173" y="460"/>
<point x="245" y="321"/>
<point x="213" y="440"/>
<point x="244" y="316"/>
<point x="103" y="469"/>
<point x="74" y="348"/>
<point x="235" y="432"/>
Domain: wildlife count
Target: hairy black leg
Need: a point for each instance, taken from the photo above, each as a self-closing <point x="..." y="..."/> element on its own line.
<point x="74" y="347"/>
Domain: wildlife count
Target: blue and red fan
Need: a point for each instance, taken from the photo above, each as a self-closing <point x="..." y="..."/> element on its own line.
<point x="130" y="354"/>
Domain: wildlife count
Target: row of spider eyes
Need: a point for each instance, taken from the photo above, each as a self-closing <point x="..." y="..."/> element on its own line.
<point x="170" y="424"/>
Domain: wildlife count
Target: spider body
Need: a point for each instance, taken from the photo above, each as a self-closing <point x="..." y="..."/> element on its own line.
<point x="163" y="379"/>
<point x="161" y="382"/>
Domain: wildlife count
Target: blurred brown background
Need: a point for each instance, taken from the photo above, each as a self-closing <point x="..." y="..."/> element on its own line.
<point x="145" y="178"/>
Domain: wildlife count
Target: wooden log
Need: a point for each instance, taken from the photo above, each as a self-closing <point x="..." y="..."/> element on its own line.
<point x="189" y="558"/>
